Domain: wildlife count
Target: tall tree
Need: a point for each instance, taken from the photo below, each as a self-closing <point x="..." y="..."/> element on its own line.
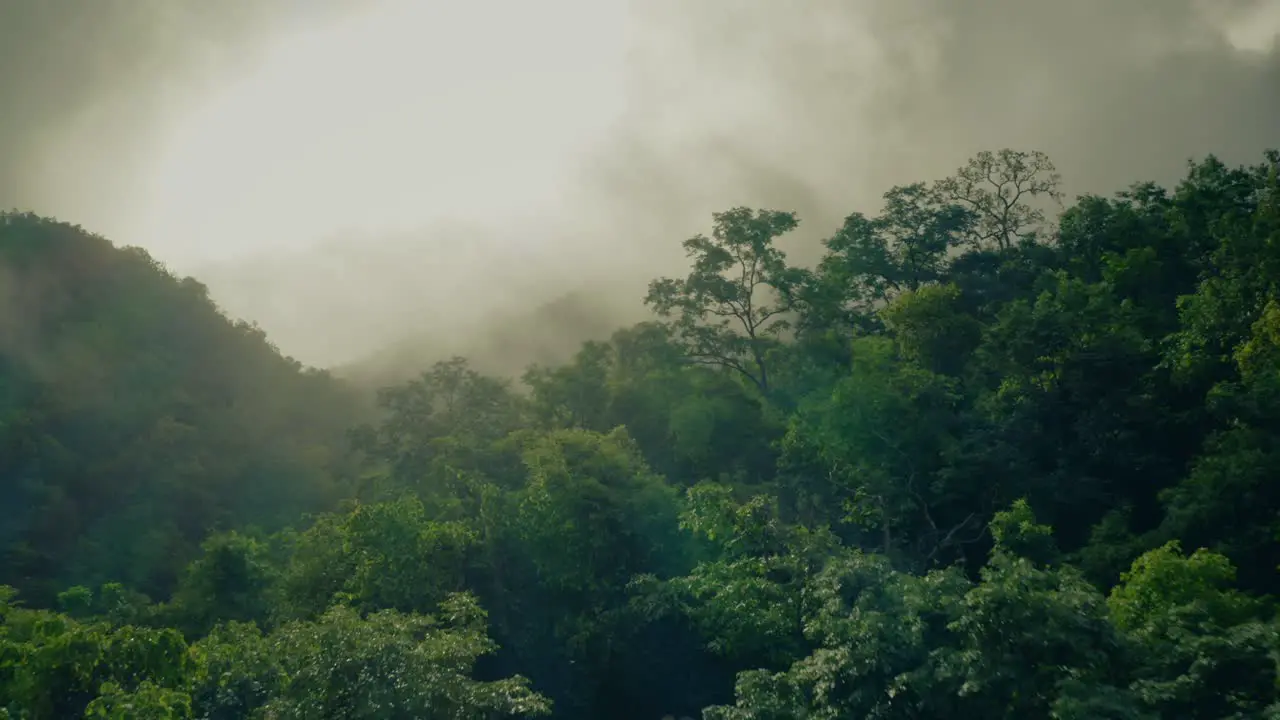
<point x="722" y="311"/>
<point x="870" y="261"/>
<point x="1000" y="188"/>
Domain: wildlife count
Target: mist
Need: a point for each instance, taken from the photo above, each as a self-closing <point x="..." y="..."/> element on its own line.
<point x="412" y="175"/>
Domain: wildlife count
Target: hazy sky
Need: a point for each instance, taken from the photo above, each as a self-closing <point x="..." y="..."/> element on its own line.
<point x="347" y="173"/>
<point x="369" y="120"/>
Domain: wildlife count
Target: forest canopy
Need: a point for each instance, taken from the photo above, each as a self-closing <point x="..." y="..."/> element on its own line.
<point x="994" y="455"/>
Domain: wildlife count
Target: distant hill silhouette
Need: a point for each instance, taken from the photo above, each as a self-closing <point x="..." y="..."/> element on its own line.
<point x="135" y="417"/>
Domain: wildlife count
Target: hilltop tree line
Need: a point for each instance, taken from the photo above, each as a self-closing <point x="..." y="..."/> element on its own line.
<point x="994" y="456"/>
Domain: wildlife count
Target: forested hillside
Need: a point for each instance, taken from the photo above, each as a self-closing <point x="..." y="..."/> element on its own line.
<point x="1000" y="454"/>
<point x="134" y="418"/>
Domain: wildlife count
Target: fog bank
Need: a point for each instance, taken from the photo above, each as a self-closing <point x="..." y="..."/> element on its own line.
<point x="350" y="179"/>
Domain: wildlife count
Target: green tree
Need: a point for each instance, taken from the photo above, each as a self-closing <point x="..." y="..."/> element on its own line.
<point x="392" y="665"/>
<point x="378" y="556"/>
<point x="232" y="580"/>
<point x="147" y="702"/>
<point x="722" y="312"/>
<point x="1027" y="640"/>
<point x="877" y="443"/>
<point x="1207" y="650"/>
<point x="53" y="666"/>
<point x="870" y="261"/>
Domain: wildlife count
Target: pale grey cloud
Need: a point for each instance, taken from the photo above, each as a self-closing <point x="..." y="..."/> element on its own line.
<point x="626" y="126"/>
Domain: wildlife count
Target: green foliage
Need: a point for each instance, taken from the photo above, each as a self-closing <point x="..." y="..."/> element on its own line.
<point x="384" y="555"/>
<point x="53" y="666"/>
<point x="717" y="311"/>
<point x="1021" y="642"/>
<point x="592" y="513"/>
<point x="232" y="580"/>
<point x="1016" y="533"/>
<point x="236" y="671"/>
<point x="947" y="471"/>
<point x="932" y="329"/>
<point x="871" y="261"/>
<point x="135" y="418"/>
<point x="148" y="702"/>
<point x="391" y="665"/>
<point x="1209" y="651"/>
<point x="748" y="600"/>
<point x="879" y="439"/>
<point x="341" y="665"/>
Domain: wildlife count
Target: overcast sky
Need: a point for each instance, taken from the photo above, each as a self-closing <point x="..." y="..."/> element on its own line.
<point x="349" y="172"/>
